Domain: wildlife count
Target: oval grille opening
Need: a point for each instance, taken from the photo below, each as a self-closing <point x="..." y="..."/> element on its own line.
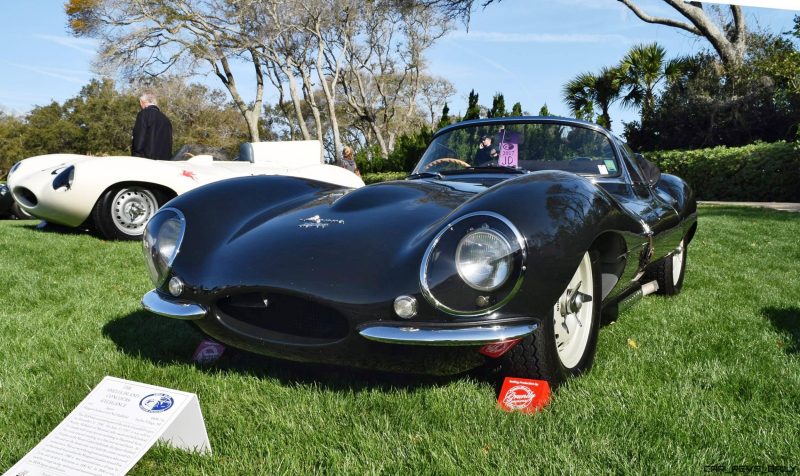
<point x="25" y="196"/>
<point x="270" y="315"/>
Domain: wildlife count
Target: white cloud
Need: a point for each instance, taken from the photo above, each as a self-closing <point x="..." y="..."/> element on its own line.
<point x="84" y="45"/>
<point x="69" y="75"/>
<point x="506" y="37"/>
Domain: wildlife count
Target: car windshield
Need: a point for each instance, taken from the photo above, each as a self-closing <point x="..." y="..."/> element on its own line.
<point x="530" y="146"/>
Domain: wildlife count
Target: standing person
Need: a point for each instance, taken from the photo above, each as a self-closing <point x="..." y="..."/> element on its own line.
<point x="152" y="133"/>
<point x="348" y="162"/>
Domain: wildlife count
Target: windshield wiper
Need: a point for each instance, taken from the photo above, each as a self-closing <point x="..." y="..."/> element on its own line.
<point x="435" y="175"/>
<point x="498" y="168"/>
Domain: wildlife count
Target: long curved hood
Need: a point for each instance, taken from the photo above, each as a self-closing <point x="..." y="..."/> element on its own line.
<point x="329" y="243"/>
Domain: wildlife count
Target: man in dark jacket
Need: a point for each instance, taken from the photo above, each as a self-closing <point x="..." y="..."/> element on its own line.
<point x="152" y="134"/>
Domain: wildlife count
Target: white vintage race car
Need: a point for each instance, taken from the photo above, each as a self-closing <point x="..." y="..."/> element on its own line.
<point x="116" y="196"/>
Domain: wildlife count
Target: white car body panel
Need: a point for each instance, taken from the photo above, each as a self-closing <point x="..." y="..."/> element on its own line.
<point x="95" y="175"/>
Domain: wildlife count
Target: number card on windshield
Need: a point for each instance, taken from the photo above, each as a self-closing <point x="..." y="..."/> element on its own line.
<point x="113" y="427"/>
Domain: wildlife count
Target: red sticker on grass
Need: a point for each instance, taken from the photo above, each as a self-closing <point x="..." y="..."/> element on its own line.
<point x="523" y="395"/>
<point x="208" y="351"/>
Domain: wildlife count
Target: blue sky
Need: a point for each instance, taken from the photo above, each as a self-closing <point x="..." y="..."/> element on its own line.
<point x="526" y="49"/>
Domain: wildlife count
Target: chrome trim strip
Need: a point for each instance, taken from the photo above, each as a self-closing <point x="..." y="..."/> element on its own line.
<point x="423" y="270"/>
<point x="446" y="337"/>
<point x="153" y="302"/>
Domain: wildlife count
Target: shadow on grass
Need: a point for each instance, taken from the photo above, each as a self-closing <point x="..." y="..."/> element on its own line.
<point x="786" y="321"/>
<point x="168" y="341"/>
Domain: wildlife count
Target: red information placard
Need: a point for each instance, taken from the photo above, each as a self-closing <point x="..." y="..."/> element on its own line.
<point x="523" y="395"/>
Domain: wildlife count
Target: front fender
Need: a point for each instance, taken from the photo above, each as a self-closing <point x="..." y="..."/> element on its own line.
<point x="561" y="216"/>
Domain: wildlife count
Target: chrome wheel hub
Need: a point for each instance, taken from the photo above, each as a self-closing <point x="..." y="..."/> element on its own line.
<point x="132" y="208"/>
<point x="573" y="314"/>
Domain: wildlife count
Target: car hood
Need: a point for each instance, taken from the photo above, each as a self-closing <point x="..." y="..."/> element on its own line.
<point x="365" y="244"/>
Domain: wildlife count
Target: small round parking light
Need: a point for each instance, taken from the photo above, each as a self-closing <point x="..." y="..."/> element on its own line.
<point x="175" y="286"/>
<point x="405" y="307"/>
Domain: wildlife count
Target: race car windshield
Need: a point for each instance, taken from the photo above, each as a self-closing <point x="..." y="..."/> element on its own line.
<point x="521" y="146"/>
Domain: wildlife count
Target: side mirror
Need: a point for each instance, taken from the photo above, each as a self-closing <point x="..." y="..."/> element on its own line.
<point x="650" y="170"/>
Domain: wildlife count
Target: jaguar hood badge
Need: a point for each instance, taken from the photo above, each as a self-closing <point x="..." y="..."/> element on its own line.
<point x="317" y="222"/>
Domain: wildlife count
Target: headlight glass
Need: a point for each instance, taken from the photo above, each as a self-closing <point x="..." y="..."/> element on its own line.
<point x="14" y="168"/>
<point x="161" y="243"/>
<point x="484" y="259"/>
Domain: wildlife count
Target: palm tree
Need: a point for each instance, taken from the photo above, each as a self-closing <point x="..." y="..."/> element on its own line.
<point x="587" y="91"/>
<point x="641" y="71"/>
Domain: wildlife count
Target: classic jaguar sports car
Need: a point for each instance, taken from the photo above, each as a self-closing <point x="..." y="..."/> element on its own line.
<point x="505" y="257"/>
<point x="117" y="195"/>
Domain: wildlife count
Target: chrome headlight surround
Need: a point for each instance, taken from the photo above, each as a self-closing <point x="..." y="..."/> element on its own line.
<point x="449" y="288"/>
<point x="161" y="243"/>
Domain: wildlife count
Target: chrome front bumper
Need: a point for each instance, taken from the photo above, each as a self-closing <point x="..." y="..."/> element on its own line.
<point x="154" y="303"/>
<point x="442" y="336"/>
<point x="408" y="335"/>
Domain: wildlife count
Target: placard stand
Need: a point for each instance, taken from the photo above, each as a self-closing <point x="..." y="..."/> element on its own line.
<point x="113" y="427"/>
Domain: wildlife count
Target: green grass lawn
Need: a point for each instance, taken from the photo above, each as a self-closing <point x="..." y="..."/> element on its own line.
<point x="714" y="377"/>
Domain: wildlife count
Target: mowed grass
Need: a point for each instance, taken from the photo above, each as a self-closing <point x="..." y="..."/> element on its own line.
<point x="711" y="377"/>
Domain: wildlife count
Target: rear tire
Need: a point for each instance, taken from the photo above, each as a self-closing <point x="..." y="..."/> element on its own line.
<point x="564" y="345"/>
<point x="669" y="272"/>
<point x="123" y="211"/>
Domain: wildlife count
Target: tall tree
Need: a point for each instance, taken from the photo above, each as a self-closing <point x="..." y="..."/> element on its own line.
<point x="641" y="71"/>
<point x="728" y="37"/>
<point x="151" y="37"/>
<point x="498" y="106"/>
<point x="587" y="91"/>
<point x="473" y="109"/>
<point x="516" y="109"/>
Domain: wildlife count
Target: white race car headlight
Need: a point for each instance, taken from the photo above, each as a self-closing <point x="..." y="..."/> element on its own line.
<point x="161" y="243"/>
<point x="484" y="259"/>
<point x="14" y="168"/>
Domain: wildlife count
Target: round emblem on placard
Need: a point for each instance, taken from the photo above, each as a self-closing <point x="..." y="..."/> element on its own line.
<point x="156" y="403"/>
<point x="518" y="397"/>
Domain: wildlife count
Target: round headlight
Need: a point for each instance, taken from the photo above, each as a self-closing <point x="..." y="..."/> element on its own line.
<point x="484" y="259"/>
<point x="161" y="242"/>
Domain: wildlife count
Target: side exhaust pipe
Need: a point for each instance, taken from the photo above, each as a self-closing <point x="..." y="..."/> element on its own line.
<point x="635" y="296"/>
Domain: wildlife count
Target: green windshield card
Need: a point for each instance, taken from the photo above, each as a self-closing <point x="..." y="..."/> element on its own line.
<point x="611" y="166"/>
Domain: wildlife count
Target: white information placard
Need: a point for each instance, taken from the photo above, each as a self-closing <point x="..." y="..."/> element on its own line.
<point x="113" y="427"/>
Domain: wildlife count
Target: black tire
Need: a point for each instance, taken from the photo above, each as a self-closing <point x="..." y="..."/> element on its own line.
<point x="19" y="213"/>
<point x="537" y="356"/>
<point x="107" y="215"/>
<point x="670" y="280"/>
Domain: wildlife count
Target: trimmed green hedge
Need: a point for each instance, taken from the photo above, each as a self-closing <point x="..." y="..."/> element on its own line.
<point x="383" y="177"/>
<point x="763" y="172"/>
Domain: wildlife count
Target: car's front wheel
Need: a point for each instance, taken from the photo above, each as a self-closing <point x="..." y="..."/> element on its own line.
<point x="123" y="211"/>
<point x="564" y="345"/>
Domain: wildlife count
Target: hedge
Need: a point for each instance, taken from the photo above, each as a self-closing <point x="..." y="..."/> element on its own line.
<point x="383" y="177"/>
<point x="760" y="172"/>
